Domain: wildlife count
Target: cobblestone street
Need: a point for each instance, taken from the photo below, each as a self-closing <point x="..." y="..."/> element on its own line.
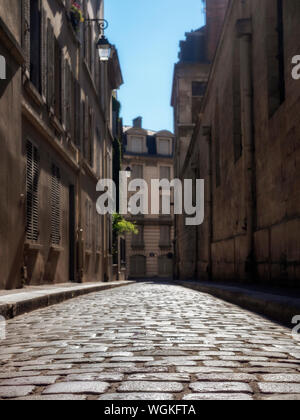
<point x="148" y="341"/>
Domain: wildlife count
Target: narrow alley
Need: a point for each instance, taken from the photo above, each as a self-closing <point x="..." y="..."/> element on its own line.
<point x="148" y="341"/>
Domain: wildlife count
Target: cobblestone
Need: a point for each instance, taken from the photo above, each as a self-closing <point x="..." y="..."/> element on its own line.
<point x="148" y="341"/>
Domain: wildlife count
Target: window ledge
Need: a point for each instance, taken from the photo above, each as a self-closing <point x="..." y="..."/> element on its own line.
<point x="56" y="249"/>
<point x="138" y="246"/>
<point x="32" y="246"/>
<point x="33" y="92"/>
<point x="55" y="122"/>
<point x="165" y="246"/>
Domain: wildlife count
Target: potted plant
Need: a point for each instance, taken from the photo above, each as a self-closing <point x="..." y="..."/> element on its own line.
<point x="76" y="15"/>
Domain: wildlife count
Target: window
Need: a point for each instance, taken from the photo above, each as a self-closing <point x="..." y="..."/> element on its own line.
<point x="138" y="240"/>
<point x="58" y="80"/>
<point x="88" y="225"/>
<point x="98" y="233"/>
<point x="32" y="189"/>
<point x="165" y="236"/>
<point x="55" y="205"/>
<point x="35" y="44"/>
<point x="198" y="88"/>
<point x="88" y="144"/>
<point x="164" y="147"/>
<point x="165" y="172"/>
<point x="137" y="172"/>
<point x="275" y="55"/>
<point x="236" y="87"/>
<point x="137" y="144"/>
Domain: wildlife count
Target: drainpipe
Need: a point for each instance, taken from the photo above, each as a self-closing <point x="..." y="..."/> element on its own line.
<point x="244" y="32"/>
<point x="206" y="132"/>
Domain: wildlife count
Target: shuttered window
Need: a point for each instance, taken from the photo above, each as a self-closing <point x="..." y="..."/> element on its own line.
<point x="165" y="172"/>
<point x="138" y="240"/>
<point x="88" y="225"/>
<point x="164" y="147"/>
<point x="138" y="266"/>
<point x="35" y="44"/>
<point x="98" y="232"/>
<point x="32" y="189"/>
<point x="58" y="80"/>
<point x="55" y="205"/>
<point x="137" y="172"/>
<point x="137" y="145"/>
<point x="165" y="236"/>
<point x="50" y="65"/>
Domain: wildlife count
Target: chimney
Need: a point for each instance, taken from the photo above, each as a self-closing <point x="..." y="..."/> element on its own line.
<point x="215" y="14"/>
<point x="137" y="122"/>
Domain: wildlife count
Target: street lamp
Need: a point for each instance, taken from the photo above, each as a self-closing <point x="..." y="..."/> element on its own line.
<point x="104" y="48"/>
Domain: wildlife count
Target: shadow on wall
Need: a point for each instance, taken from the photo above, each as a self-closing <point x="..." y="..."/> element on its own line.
<point x="7" y="72"/>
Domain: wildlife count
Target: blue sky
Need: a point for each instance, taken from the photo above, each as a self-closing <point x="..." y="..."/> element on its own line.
<point x="147" y="35"/>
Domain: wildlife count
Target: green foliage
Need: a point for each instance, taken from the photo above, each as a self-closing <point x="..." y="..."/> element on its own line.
<point x="120" y="225"/>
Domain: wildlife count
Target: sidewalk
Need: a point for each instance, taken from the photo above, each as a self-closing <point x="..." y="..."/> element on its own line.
<point x="18" y="302"/>
<point x="278" y="304"/>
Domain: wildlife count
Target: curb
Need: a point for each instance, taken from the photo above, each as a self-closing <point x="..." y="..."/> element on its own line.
<point x="39" y="299"/>
<point x="278" y="308"/>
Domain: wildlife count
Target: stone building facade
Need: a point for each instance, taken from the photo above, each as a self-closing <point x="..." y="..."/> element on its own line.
<point x="190" y="79"/>
<point x="246" y="147"/>
<point x="149" y="155"/>
<point x="56" y="142"/>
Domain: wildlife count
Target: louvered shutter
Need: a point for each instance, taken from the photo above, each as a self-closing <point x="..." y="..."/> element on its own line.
<point x="44" y="52"/>
<point x="77" y="114"/>
<point x="63" y="91"/>
<point x="86" y="129"/>
<point x="32" y="189"/>
<point x="25" y="31"/>
<point x="50" y="65"/>
<point x="55" y="206"/>
<point x="92" y="122"/>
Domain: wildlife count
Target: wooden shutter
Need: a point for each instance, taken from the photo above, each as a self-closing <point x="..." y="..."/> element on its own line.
<point x="58" y="80"/>
<point x="165" y="172"/>
<point x="86" y="129"/>
<point x="137" y="172"/>
<point x="32" y="189"/>
<point x="50" y="64"/>
<point x="138" y="240"/>
<point x="55" y="205"/>
<point x="165" y="266"/>
<point x="35" y="44"/>
<point x="44" y="52"/>
<point x="77" y="120"/>
<point x="138" y="266"/>
<point x="165" y="235"/>
<point x="91" y="136"/>
<point x="25" y="31"/>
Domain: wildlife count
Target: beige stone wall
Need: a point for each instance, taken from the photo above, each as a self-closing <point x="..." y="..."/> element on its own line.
<point x="27" y="114"/>
<point x="11" y="211"/>
<point x="276" y="160"/>
<point x="150" y="223"/>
